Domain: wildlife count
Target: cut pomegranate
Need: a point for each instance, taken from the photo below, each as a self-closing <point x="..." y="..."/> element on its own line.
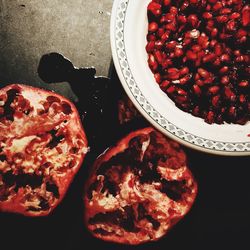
<point x="42" y="146"/>
<point x="138" y="189"/>
<point x="211" y="40"/>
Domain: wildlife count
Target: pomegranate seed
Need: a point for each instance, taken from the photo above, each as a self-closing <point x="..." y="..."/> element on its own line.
<point x="244" y="84"/>
<point x="196" y="89"/>
<point x="222" y="19"/>
<point x="184" y="71"/>
<point x="160" y="32"/>
<point x="242" y="98"/>
<point x="225" y="11"/>
<point x="196" y="111"/>
<point x="209" y="58"/>
<point x="157" y="77"/>
<point x="152" y="27"/>
<point x="173" y="73"/>
<point x="181" y="92"/>
<point x="214" y="32"/>
<point x="224" y="80"/>
<point x="241" y="33"/>
<point x="232" y="112"/>
<point x="203" y="73"/>
<point x="178" y="52"/>
<point x="158" y="56"/>
<point x="225" y="58"/>
<point x="173" y="10"/>
<point x="165" y="36"/>
<point x="171" y="45"/>
<point x="229" y="94"/>
<point x="1" y="110"/>
<point x="193" y="1"/>
<point x="166" y="2"/>
<point x="151" y="37"/>
<point x="184" y="79"/>
<point x="182" y="19"/>
<point x="171" y="90"/>
<point x="165" y="84"/>
<point x="190" y="55"/>
<point x="218" y="50"/>
<point x="152" y="62"/>
<point x="214" y="90"/>
<point x="154" y="8"/>
<point x="231" y="25"/>
<point x="193" y="20"/>
<point x="158" y="44"/>
<point x="235" y="15"/>
<point x="224" y="70"/>
<point x="210" y="117"/>
<point x="207" y="15"/>
<point x="217" y="6"/>
<point x="215" y="101"/>
<point x="150" y="46"/>
<point x="245" y="16"/>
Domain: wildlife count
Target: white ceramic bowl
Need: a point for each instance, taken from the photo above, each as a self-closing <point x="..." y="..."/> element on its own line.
<point x="128" y="40"/>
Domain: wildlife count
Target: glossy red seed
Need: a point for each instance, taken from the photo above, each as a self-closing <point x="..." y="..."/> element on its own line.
<point x="217" y="6"/>
<point x="157" y="77"/>
<point x="224" y="70"/>
<point x="154" y="8"/>
<point x="171" y="90"/>
<point x="171" y="45"/>
<point x="207" y="15"/>
<point x="225" y="58"/>
<point x="193" y="20"/>
<point x="165" y="84"/>
<point x="158" y="44"/>
<point x="209" y="58"/>
<point x="150" y="46"/>
<point x="181" y="92"/>
<point x="166" y="2"/>
<point x="196" y="89"/>
<point x="244" y="84"/>
<point x="178" y="52"/>
<point x="215" y="101"/>
<point x="203" y="73"/>
<point x="222" y="19"/>
<point x="229" y="94"/>
<point x="214" y="32"/>
<point x="152" y="27"/>
<point x="225" y="80"/>
<point x="210" y="117"/>
<point x="152" y="62"/>
<point x="191" y="55"/>
<point x="158" y="56"/>
<point x="246" y="16"/>
<point x="184" y="71"/>
<point x="225" y="11"/>
<point x="214" y="90"/>
<point x="182" y="19"/>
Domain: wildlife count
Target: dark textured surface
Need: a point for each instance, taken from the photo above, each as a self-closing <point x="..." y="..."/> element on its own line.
<point x="220" y="218"/>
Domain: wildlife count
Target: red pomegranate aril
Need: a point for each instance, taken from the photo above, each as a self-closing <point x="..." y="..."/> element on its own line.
<point x="225" y="58"/>
<point x="196" y="89"/>
<point x="151" y="37"/>
<point x="209" y="58"/>
<point x="196" y="111"/>
<point x="242" y="98"/>
<point x="231" y="25"/>
<point x="216" y="101"/>
<point x="158" y="44"/>
<point x="214" y="90"/>
<point x="224" y="70"/>
<point x="184" y="79"/>
<point x="229" y="94"/>
<point x="203" y="73"/>
<point x="165" y="36"/>
<point x="150" y="46"/>
<point x="181" y="91"/>
<point x="166" y="2"/>
<point x="225" y="11"/>
<point x="235" y="15"/>
<point x="225" y="80"/>
<point x="173" y="10"/>
<point x="244" y="84"/>
<point x="178" y="52"/>
<point x="181" y="99"/>
<point x="210" y="117"/>
<point x="154" y="8"/>
<point x="194" y="1"/>
<point x="214" y="32"/>
<point x="157" y="77"/>
<point x="152" y="62"/>
<point x="241" y="33"/>
<point x="171" y="45"/>
<point x="184" y="71"/>
<point x="217" y="6"/>
<point x="171" y="90"/>
<point x="160" y="32"/>
<point x="182" y="19"/>
<point x="207" y="15"/>
<point x="165" y="84"/>
<point x="193" y="20"/>
<point x="153" y="27"/>
<point x="232" y="112"/>
<point x="191" y="55"/>
<point x="158" y="56"/>
<point x="246" y="16"/>
<point x="222" y="19"/>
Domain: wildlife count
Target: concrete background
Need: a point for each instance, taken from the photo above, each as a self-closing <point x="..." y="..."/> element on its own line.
<point x="78" y="29"/>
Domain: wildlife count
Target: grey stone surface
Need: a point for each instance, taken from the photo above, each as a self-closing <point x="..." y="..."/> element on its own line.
<point x="78" y="29"/>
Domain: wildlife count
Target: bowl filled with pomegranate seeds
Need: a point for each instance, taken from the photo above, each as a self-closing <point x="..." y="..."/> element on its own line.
<point x="185" y="64"/>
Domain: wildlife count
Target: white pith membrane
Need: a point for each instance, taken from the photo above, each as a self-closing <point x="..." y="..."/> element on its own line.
<point x="127" y="204"/>
<point x="39" y="147"/>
